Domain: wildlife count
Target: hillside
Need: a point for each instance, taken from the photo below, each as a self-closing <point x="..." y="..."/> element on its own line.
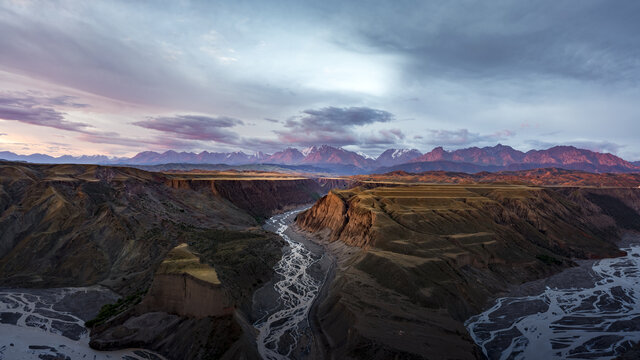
<point x="421" y="259"/>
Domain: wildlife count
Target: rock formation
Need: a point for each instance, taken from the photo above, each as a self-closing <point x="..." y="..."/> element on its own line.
<point x="425" y="257"/>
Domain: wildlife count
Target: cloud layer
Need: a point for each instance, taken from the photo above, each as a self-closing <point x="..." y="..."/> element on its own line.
<point x="194" y="127"/>
<point x="39" y="111"/>
<point x="330" y="125"/>
<point x="256" y="75"/>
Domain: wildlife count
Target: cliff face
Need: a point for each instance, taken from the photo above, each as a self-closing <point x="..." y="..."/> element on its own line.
<point x="443" y="250"/>
<point x="184" y="286"/>
<point x="348" y="221"/>
<point x="262" y="198"/>
<point x="185" y="295"/>
<point x="186" y="313"/>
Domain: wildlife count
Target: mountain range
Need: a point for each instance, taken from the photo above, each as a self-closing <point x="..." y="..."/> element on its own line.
<point x="339" y="160"/>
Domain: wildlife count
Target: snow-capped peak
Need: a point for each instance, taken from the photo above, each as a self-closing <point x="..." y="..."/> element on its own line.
<point x="399" y="152"/>
<point x="308" y="150"/>
<point x="365" y="155"/>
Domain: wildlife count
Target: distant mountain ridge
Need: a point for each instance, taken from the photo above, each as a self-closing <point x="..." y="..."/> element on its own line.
<point x="339" y="160"/>
<point x="397" y="156"/>
<point x="65" y="159"/>
<point x="501" y="155"/>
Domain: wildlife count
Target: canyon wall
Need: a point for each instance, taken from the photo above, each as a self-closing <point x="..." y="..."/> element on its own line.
<point x="77" y="225"/>
<point x="262" y="198"/>
<point x="425" y="257"/>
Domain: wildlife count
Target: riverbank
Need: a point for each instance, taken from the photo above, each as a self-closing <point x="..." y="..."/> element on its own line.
<point x="340" y="255"/>
<point x="589" y="311"/>
<point x="281" y="308"/>
<point x="49" y="324"/>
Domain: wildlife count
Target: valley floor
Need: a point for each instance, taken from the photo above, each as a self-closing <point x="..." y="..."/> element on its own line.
<point x="38" y="324"/>
<point x="590" y="311"/>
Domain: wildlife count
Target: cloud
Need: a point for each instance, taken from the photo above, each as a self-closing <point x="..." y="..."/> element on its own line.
<point x="113" y="138"/>
<point x="194" y="127"/>
<point x="333" y="116"/>
<point x="35" y="110"/>
<point x="384" y="137"/>
<point x="332" y="126"/>
<point x="504" y="39"/>
<point x="3" y="134"/>
<point x="463" y="137"/>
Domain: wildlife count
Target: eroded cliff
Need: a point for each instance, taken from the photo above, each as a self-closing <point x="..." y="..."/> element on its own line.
<point x="186" y="294"/>
<point x="76" y="225"/>
<point x="425" y="257"/>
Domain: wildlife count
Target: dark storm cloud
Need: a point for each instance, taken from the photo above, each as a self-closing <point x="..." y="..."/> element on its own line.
<point x="38" y="110"/>
<point x="330" y="125"/>
<point x="334" y="118"/>
<point x="195" y="127"/>
<point x="504" y="39"/>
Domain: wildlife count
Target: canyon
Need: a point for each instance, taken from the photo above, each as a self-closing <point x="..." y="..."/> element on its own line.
<point x="78" y="225"/>
<point x="203" y="264"/>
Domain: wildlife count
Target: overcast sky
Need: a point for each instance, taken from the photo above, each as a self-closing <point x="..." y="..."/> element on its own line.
<point x="117" y="78"/>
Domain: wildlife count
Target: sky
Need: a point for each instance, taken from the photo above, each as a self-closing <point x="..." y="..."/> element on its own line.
<point x="121" y="77"/>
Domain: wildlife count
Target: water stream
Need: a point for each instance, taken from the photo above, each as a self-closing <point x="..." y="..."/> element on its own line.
<point x="49" y="324"/>
<point x="282" y="329"/>
<point x="591" y="322"/>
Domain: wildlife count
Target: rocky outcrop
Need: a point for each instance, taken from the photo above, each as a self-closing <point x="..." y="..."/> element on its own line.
<point x="184" y="286"/>
<point x="429" y="256"/>
<point x="186" y="313"/>
<point x="329" y="183"/>
<point x="350" y="220"/>
<point x="185" y="295"/>
<point x="75" y="225"/>
<point x="195" y="306"/>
